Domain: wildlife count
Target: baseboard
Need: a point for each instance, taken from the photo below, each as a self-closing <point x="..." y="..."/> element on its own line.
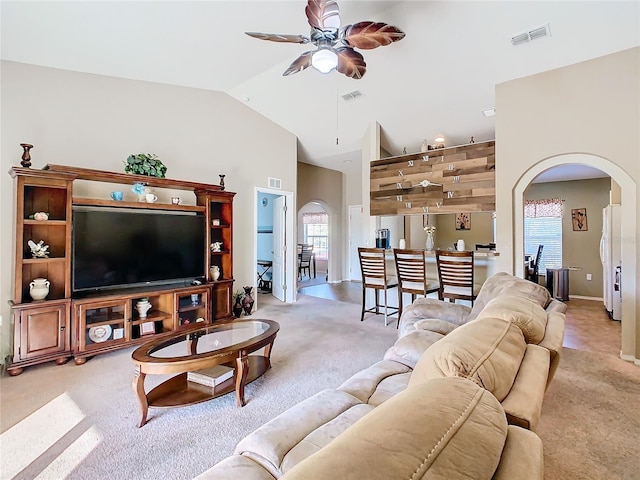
<point x="583" y="297"/>
<point x="630" y="358"/>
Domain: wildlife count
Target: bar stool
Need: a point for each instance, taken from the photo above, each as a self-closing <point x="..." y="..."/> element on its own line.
<point x="374" y="275"/>
<point x="455" y="273"/>
<point x="411" y="268"/>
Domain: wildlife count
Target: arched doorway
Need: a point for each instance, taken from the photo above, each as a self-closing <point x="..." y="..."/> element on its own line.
<point x="629" y="234"/>
<point x="314" y="228"/>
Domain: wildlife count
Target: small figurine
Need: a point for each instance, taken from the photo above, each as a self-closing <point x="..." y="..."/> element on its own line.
<point x="26" y="156"/>
<point x="248" y="301"/>
<point x="40" y="216"/>
<point x="221" y="182"/>
<point x="38" y="250"/>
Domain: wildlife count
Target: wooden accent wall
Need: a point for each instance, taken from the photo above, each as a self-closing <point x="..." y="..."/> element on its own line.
<point x="462" y="179"/>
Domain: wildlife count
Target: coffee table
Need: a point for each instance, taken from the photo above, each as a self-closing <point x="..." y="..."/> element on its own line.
<point x="225" y="343"/>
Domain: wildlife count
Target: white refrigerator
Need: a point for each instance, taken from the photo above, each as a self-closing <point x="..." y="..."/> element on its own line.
<point x="611" y="257"/>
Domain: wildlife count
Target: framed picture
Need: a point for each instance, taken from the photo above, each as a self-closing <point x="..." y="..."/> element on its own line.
<point x="147" y="328"/>
<point x="463" y="221"/>
<point x="579" y="219"/>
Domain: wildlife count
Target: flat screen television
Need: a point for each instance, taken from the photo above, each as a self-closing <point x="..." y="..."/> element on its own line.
<point x="120" y="248"/>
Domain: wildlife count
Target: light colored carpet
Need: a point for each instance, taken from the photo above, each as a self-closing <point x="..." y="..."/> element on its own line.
<point x="321" y="343"/>
<point x="590" y="423"/>
<point x="78" y="422"/>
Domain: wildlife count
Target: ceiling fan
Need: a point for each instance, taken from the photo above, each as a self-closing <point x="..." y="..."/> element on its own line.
<point x="335" y="45"/>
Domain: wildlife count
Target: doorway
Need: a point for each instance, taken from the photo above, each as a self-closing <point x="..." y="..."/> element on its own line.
<point x="628" y="201"/>
<point x="274" y="255"/>
<point x="314" y="220"/>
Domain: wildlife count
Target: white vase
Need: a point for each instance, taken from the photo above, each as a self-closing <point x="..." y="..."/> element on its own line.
<point x="143" y="306"/>
<point x="39" y="288"/>
<point x="430" y="244"/>
<point x="215" y="272"/>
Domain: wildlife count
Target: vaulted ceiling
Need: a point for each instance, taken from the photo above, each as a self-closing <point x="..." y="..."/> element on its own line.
<point x="436" y="81"/>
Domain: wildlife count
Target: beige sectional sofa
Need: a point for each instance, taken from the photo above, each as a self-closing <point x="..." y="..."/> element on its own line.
<point x="457" y="396"/>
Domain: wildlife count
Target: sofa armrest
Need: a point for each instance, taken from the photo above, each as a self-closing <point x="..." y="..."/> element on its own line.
<point x="552" y="341"/>
<point x="364" y="383"/>
<point x="556" y="306"/>
<point x="431" y="308"/>
<point x="234" y="468"/>
<point x="270" y="443"/>
<point x="522" y="453"/>
<point x="523" y="404"/>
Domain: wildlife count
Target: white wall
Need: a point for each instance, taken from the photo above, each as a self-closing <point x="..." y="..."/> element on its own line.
<point x="96" y="121"/>
<point x="585" y="113"/>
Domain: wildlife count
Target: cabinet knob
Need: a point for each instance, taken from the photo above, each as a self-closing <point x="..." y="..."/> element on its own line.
<point x="62" y="328"/>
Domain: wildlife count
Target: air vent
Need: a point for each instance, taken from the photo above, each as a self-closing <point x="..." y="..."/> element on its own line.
<point x="351" y="95"/>
<point x="533" y="34"/>
<point x="275" y="183"/>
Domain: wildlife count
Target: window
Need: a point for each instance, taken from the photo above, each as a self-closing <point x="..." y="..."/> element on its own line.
<point x="543" y="226"/>
<point x="316" y="233"/>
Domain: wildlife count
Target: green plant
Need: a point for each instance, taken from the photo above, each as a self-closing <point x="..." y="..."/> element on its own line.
<point x="145" y="164"/>
<point x="238" y="294"/>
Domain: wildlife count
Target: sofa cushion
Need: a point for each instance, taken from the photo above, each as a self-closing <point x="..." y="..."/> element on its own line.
<point x="459" y="433"/>
<point x="408" y="349"/>
<point x="435" y="325"/>
<point x="364" y="384"/>
<point x="269" y="444"/>
<point x="432" y="308"/>
<point x="525" y="313"/>
<point x="502" y="282"/>
<point x="488" y="352"/>
<point x="522" y="456"/>
<point x="236" y="467"/>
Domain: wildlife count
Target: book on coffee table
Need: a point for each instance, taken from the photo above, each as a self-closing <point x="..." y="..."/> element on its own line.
<point x="211" y="376"/>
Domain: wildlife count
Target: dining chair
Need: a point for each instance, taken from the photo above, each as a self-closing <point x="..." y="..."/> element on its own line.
<point x="455" y="274"/>
<point x="411" y="268"/>
<point x="304" y="260"/>
<point x="374" y="275"/>
<point x="532" y="273"/>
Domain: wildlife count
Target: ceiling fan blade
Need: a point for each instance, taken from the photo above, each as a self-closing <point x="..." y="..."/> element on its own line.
<point x="350" y="62"/>
<point x="299" y="64"/>
<point x="277" y="37"/>
<point x="323" y="14"/>
<point x="368" y="35"/>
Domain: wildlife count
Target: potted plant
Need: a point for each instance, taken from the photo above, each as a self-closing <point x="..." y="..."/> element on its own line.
<point x="238" y="296"/>
<point x="145" y="164"/>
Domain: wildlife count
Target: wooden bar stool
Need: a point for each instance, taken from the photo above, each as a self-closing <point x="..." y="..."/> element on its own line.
<point x="455" y="273"/>
<point x="411" y="268"/>
<point x="374" y="276"/>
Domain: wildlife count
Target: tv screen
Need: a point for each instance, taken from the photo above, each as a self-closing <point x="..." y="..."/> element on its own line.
<point x="124" y="248"/>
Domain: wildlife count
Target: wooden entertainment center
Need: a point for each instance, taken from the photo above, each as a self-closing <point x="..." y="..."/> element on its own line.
<point x="64" y="325"/>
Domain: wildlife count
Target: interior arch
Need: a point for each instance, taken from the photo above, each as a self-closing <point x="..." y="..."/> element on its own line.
<point x="629" y="234"/>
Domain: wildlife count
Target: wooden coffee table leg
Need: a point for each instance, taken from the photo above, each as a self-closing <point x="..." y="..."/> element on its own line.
<point x="242" y="368"/>
<point x="267" y="353"/>
<point x="138" y="390"/>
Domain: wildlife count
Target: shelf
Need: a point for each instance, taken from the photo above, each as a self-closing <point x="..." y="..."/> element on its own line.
<point x="127" y="178"/>
<point x="152" y="316"/>
<point x="110" y="321"/>
<point x="44" y="260"/>
<point x="191" y="307"/>
<point x="52" y="223"/>
<point x="92" y="202"/>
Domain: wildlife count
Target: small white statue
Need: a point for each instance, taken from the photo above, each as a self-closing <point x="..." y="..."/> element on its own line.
<point x="38" y="250"/>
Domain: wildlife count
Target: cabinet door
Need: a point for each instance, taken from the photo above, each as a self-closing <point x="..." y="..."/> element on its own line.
<point x="222" y="301"/>
<point x="100" y="324"/>
<point x="43" y="331"/>
<point x="192" y="307"/>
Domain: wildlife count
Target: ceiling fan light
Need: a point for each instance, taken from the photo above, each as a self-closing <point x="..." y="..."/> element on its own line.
<point x="324" y="60"/>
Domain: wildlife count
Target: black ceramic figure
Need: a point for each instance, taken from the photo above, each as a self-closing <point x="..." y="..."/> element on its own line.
<point x="237" y="307"/>
<point x="248" y="301"/>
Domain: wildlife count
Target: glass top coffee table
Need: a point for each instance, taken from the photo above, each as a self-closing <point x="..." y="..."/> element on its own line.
<point x="226" y="343"/>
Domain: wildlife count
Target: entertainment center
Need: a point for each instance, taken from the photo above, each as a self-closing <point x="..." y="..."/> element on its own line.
<point x="106" y="256"/>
